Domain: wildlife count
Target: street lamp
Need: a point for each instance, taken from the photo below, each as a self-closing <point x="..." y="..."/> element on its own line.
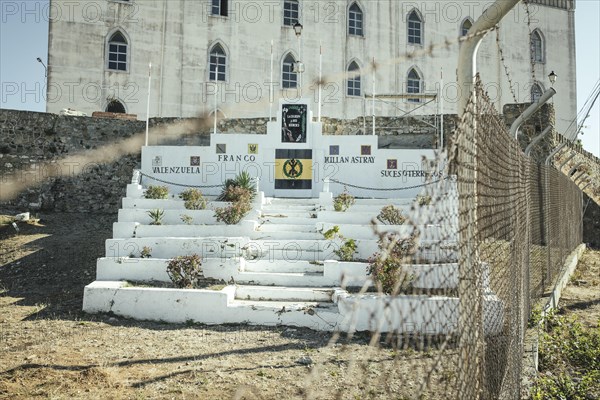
<point x="298" y="66"/>
<point x="552" y="77"/>
<point x="44" y="65"/>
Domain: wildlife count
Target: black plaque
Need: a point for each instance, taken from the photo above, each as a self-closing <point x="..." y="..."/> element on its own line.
<point x="293" y="123"/>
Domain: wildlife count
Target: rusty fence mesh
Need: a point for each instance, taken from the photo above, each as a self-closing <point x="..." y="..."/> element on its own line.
<point x="475" y="260"/>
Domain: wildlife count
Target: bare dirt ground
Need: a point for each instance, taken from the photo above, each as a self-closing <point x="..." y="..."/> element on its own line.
<point x="50" y="349"/>
<point x="581" y="297"/>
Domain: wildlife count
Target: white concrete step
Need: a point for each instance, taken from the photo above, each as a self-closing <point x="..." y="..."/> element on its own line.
<point x="165" y="204"/>
<point x="307" y="307"/>
<point x="429" y="233"/>
<point x="134" y="229"/>
<point x="291" y="250"/>
<point x="289" y="207"/>
<point x="269" y="227"/>
<point x="173" y="247"/>
<point x="285" y="235"/>
<point x="170" y="217"/>
<point x="291" y="201"/>
<point x="282" y="266"/>
<point x="384" y="202"/>
<point x="277" y="306"/>
<point x="285" y="220"/>
<point x="280" y="293"/>
<point x="287" y="279"/>
<point x="282" y="213"/>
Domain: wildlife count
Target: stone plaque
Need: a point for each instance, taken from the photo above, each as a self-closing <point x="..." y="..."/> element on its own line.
<point x="294" y="123"/>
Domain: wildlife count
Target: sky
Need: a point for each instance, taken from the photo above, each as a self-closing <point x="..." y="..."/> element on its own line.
<point x="24" y="37"/>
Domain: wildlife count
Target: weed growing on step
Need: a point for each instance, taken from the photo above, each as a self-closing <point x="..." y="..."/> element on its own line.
<point x="146" y="252"/>
<point x="343" y="201"/>
<point x="185" y="271"/>
<point x="240" y="192"/>
<point x="186" y="219"/>
<point x="156" y="216"/>
<point x="157" y="192"/>
<point x="193" y="199"/>
<point x="386" y="266"/>
<point x="234" y="213"/>
<point x="423" y="200"/>
<point x="391" y="215"/>
<point x="241" y="181"/>
<point x="348" y="248"/>
<point x="332" y="233"/>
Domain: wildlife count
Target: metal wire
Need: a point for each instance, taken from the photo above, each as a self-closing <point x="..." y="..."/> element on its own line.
<point x="180" y="184"/>
<point x="508" y="226"/>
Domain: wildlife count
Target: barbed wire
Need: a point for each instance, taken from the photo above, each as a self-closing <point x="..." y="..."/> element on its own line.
<point x="506" y="70"/>
<point x="531" y="50"/>
<point x="388" y="189"/>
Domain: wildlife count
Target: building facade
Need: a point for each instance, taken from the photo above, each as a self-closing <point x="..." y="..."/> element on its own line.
<point x="240" y="56"/>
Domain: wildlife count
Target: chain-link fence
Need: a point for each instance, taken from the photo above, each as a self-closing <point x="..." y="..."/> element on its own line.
<point x="486" y="249"/>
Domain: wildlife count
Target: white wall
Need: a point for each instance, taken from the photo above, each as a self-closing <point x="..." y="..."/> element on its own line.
<point x="215" y="168"/>
<point x="175" y="36"/>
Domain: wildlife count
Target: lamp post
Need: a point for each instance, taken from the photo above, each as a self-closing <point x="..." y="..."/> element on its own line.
<point x="299" y="67"/>
<point x="552" y="78"/>
<point x="148" y="103"/>
<point x="44" y="65"/>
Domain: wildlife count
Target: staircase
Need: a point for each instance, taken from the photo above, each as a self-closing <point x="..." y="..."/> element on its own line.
<point x="278" y="267"/>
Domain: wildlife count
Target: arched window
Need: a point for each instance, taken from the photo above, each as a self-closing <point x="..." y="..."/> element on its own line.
<point x="117" y="52"/>
<point x="537" y="47"/>
<point x="536" y="92"/>
<point x="220" y="114"/>
<point x="217" y="64"/>
<point x="353" y="82"/>
<point x="291" y="12"/>
<point x="415" y="28"/>
<point x="115" y="106"/>
<point x="466" y="25"/>
<point x="413" y="84"/>
<point x="355" y="20"/>
<point x="289" y="78"/>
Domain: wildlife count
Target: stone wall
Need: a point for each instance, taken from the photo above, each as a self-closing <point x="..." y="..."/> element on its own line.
<point x="33" y="144"/>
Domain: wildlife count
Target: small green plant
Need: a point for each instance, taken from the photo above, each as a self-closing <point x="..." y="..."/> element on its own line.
<point x="569" y="360"/>
<point x="193" y="199"/>
<point x="186" y="219"/>
<point x="236" y="193"/>
<point x="240" y="192"/>
<point x="234" y="213"/>
<point x="386" y="265"/>
<point x="343" y="201"/>
<point x="535" y="317"/>
<point x="185" y="271"/>
<point x="347" y="250"/>
<point x="423" y="200"/>
<point x="332" y="233"/>
<point x="391" y="215"/>
<point x="156" y="216"/>
<point x="242" y="181"/>
<point x="146" y="252"/>
<point x="157" y="192"/>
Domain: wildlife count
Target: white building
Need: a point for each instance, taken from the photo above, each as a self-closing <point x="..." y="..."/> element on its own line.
<point x="99" y="53"/>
